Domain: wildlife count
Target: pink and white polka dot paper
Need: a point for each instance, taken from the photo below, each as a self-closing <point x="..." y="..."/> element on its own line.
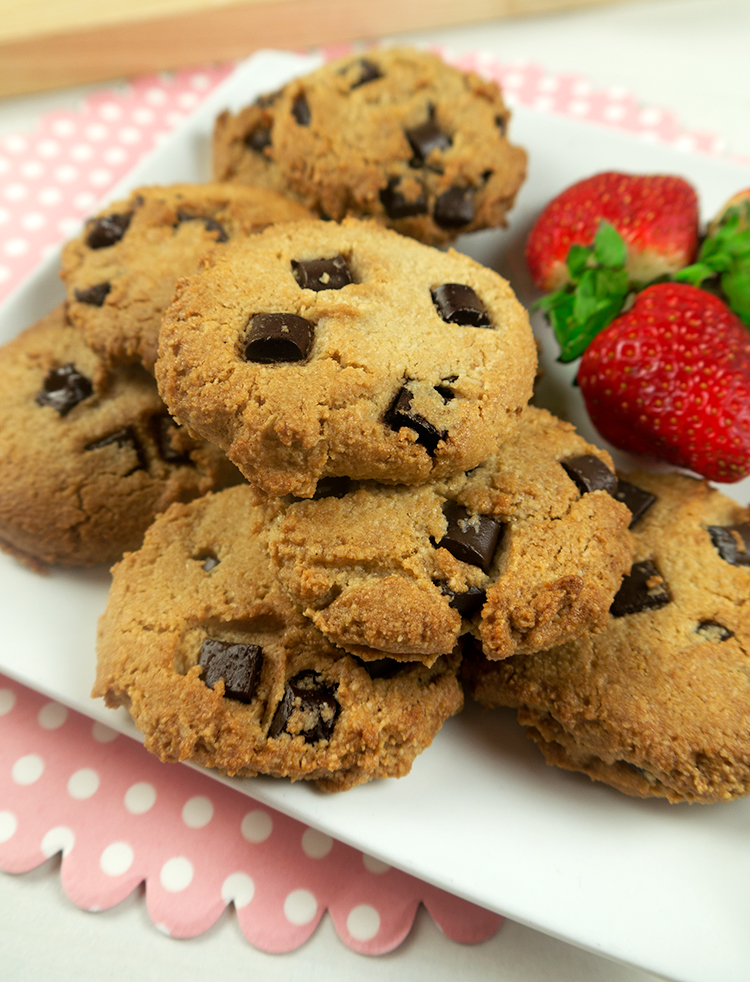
<point x="120" y="817"/>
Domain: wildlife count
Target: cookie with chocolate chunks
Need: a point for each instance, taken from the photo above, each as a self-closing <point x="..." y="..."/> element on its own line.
<point x="120" y="272"/>
<point x="659" y="703"/>
<point x="397" y="135"/>
<point x="217" y="667"/>
<point x="514" y="550"/>
<point x="315" y="350"/>
<point x="88" y="454"/>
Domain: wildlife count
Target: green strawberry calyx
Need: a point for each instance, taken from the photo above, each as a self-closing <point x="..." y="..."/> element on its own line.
<point x="595" y="294"/>
<point x="724" y="260"/>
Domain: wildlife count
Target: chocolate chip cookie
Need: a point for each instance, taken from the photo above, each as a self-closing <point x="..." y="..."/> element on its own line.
<point x="397" y="135"/>
<point x="658" y="704"/>
<point x="527" y="549"/>
<point x="316" y="349"/>
<point x="217" y="667"/>
<point x="88" y="454"/>
<point x="121" y="270"/>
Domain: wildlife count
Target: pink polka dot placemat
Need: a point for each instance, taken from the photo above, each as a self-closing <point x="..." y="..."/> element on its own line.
<point x="69" y="785"/>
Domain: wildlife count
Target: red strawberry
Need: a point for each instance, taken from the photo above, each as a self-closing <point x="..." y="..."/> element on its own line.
<point x="656" y="215"/>
<point x="671" y="379"/>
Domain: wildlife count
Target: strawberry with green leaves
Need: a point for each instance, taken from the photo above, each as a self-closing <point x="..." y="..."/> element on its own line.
<point x="670" y="378"/>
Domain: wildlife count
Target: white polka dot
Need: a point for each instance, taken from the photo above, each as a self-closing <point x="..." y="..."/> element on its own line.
<point x="100" y="177"/>
<point x="544" y="103"/>
<point x="300" y="907"/>
<point x="66" y="173"/>
<point x="363" y="922"/>
<point x="7" y="701"/>
<point x="513" y="80"/>
<point x="8" y="826"/>
<point x="16" y="144"/>
<point x="84" y="200"/>
<point x="143" y="116"/>
<point x="116" y="859"/>
<point x="4" y="216"/>
<point x="186" y="100"/>
<point x="31" y="169"/>
<point x="197" y="812"/>
<point x="15" y="191"/>
<point x="59" y="839"/>
<point x="579" y="107"/>
<point x="257" y="826"/>
<point x="316" y="844"/>
<point x="63" y="127"/>
<point x="129" y="134"/>
<point x="374" y="865"/>
<point x="110" y="111"/>
<point x="96" y="131"/>
<point x="48" y="148"/>
<point x="684" y="142"/>
<point x="549" y="83"/>
<point x="32" y="221"/>
<point x="52" y="716"/>
<point x="69" y="226"/>
<point x="28" y="769"/>
<point x="81" y="152"/>
<point x="4" y="165"/>
<point x="16" y="247"/>
<point x="200" y="82"/>
<point x="239" y="889"/>
<point x="176" y="874"/>
<point x="582" y="87"/>
<point x="156" y="97"/>
<point x="614" y="112"/>
<point x="115" y="155"/>
<point x="650" y="116"/>
<point x="140" y="798"/>
<point x="49" y="196"/>
<point x="174" y="118"/>
<point x="103" y="734"/>
<point x="83" y="784"/>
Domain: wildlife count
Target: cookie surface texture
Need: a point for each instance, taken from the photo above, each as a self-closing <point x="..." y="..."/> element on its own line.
<point x="121" y="270"/>
<point x="217" y="667"/>
<point x="316" y="349"/>
<point x="658" y="704"/>
<point x="515" y="551"/>
<point x="88" y="455"/>
<point x="397" y="135"/>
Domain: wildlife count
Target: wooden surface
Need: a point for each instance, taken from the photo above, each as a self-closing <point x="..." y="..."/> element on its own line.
<point x="46" y="45"/>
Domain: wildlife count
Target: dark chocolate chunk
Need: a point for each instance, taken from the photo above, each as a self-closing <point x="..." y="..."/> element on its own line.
<point x="445" y="389"/>
<point x="278" y="337"/>
<point x="264" y="101"/>
<point x="315" y="700"/>
<point x="468" y="601"/>
<point x="369" y="71"/>
<point x="425" y="138"/>
<point x="239" y="665"/>
<point x="385" y="668"/>
<point x="636" y="499"/>
<point x="713" y="631"/>
<point x="643" y="588"/>
<point x="401" y="414"/>
<point x="210" y="223"/>
<point x="64" y="388"/>
<point x="397" y="205"/>
<point x="502" y="124"/>
<point x="459" y="304"/>
<point x="259" y="138"/>
<point x="93" y="295"/>
<point x="123" y="438"/>
<point x="732" y="542"/>
<point x="106" y="231"/>
<point x="322" y="274"/>
<point x="334" y="487"/>
<point x="208" y="560"/>
<point x="589" y="473"/>
<point x="471" y="538"/>
<point x="454" y="208"/>
<point x="164" y="428"/>
<point x="301" y="110"/>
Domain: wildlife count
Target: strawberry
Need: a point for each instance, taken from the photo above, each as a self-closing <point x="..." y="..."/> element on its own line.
<point x="656" y="215"/>
<point x="671" y="379"/>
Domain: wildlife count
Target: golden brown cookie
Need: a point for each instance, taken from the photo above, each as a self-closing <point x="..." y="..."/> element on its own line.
<point x="120" y="272"/>
<point x="397" y="135"/>
<point x="88" y="455"/>
<point x="659" y="704"/>
<point x="528" y="549"/>
<point x="217" y="667"/>
<point x="316" y="349"/>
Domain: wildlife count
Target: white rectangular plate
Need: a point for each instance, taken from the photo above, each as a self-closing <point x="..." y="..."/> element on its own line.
<point x="658" y="886"/>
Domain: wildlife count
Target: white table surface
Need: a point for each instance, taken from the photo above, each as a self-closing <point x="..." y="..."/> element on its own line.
<point x="689" y="56"/>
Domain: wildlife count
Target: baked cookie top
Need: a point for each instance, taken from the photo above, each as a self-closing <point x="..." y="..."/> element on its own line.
<point x="659" y="704"/>
<point x="217" y="667"/>
<point x="120" y="272"/>
<point x="88" y="454"/>
<point x="316" y="349"/>
<point x="527" y="549"/>
<point x="397" y="135"/>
